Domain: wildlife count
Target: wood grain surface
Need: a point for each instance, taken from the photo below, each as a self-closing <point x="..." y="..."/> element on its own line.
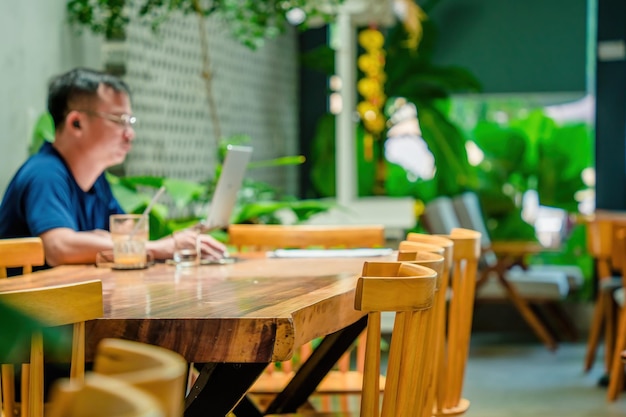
<point x="256" y="310"/>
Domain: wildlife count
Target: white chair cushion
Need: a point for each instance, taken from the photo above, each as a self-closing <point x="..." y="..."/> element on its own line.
<point x="545" y="285"/>
<point x="574" y="273"/>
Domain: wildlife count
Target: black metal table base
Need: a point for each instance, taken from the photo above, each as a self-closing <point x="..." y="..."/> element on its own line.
<point x="311" y="373"/>
<point x="220" y="386"/>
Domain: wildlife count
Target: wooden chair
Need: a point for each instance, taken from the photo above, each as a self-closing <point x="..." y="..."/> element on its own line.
<point x="20" y="252"/>
<point x="257" y="237"/>
<point x="600" y="242"/>
<point x="544" y="287"/>
<point x="347" y="381"/>
<point x="411" y="297"/>
<point x="52" y="306"/>
<point x="498" y="279"/>
<point x="439" y="264"/>
<point x="445" y="247"/>
<point x="158" y="371"/>
<point x="451" y="372"/>
<point x="101" y="396"/>
<point x="244" y="237"/>
<point x="616" y="371"/>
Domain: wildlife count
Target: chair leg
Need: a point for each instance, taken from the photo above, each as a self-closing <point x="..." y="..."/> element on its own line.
<point x="610" y="330"/>
<point x="594" y="332"/>
<point x="616" y="376"/>
<point x="545" y="319"/>
<point x="528" y="315"/>
<point x="8" y="390"/>
<point x="563" y="320"/>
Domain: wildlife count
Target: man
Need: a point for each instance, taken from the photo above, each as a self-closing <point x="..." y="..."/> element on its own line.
<point x="60" y="194"/>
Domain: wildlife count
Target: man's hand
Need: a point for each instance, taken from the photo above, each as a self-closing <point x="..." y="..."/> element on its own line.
<point x="209" y="247"/>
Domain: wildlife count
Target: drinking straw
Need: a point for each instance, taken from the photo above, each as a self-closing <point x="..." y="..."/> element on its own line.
<point x="145" y="213"/>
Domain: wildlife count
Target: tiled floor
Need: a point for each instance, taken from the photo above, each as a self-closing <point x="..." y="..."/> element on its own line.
<point x="521" y="378"/>
<point x="516" y="377"/>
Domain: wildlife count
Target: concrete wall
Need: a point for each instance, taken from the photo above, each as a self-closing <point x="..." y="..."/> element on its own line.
<point x="35" y="45"/>
<point x="256" y="91"/>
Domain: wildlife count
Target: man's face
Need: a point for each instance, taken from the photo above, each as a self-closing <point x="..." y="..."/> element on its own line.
<point x="108" y="131"/>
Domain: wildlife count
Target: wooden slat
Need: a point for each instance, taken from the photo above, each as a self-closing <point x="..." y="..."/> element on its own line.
<point x="466" y="253"/>
<point x="265" y="237"/>
<point x="58" y="305"/>
<point x="20" y="252"/>
<point x="445" y="247"/>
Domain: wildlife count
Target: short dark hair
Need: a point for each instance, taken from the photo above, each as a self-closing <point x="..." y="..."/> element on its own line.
<point x="76" y="83"/>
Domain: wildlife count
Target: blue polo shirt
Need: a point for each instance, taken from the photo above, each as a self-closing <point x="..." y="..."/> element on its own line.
<point x="43" y="195"/>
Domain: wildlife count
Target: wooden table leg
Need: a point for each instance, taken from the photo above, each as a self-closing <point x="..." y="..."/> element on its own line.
<point x="220" y="387"/>
<point x="311" y="373"/>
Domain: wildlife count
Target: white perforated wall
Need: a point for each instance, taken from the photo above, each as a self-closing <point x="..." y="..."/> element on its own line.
<point x="255" y="92"/>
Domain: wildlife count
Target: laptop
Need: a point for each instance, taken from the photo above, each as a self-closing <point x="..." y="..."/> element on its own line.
<point x="228" y="185"/>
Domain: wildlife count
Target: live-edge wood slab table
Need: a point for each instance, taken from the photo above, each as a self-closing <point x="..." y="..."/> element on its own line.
<point x="233" y="319"/>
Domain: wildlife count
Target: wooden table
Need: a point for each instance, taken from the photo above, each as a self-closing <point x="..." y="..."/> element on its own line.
<point x="234" y="319"/>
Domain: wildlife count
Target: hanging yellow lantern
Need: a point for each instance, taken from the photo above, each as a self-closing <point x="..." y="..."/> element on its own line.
<point x="371" y="88"/>
<point x="371" y="39"/>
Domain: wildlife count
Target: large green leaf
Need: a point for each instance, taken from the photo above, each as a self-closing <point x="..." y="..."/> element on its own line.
<point x="129" y="198"/>
<point x="265" y="211"/>
<point x="42" y="132"/>
<point x="305" y="209"/>
<point x="447" y="143"/>
<point x="537" y="127"/>
<point x="503" y="147"/>
<point x="183" y="192"/>
<point x="398" y="184"/>
<point x="562" y="158"/>
<point x="277" y="162"/>
<point x="17" y="328"/>
<point x="323" y="159"/>
<point x="510" y="227"/>
<point x="321" y="59"/>
<point x="142" y="180"/>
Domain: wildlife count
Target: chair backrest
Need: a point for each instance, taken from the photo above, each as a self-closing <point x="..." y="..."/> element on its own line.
<point x="408" y="290"/>
<point x="466" y="253"/>
<point x="255" y="237"/>
<point x="439" y="216"/>
<point x="156" y="370"/>
<point x="600" y="244"/>
<point x="619" y="251"/>
<point x="50" y="306"/>
<point x="408" y="248"/>
<point x="436" y="329"/>
<point x="445" y="247"/>
<point x="20" y="252"/>
<point x="444" y="214"/>
<point x="101" y="396"/>
<point x="470" y="215"/>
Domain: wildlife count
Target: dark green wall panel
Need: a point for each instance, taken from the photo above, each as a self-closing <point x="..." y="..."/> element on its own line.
<point x="513" y="45"/>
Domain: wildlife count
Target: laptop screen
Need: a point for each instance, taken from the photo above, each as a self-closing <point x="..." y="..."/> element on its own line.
<point x="228" y="185"/>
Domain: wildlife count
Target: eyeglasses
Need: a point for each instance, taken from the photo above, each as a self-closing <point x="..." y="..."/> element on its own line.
<point x="124" y="120"/>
